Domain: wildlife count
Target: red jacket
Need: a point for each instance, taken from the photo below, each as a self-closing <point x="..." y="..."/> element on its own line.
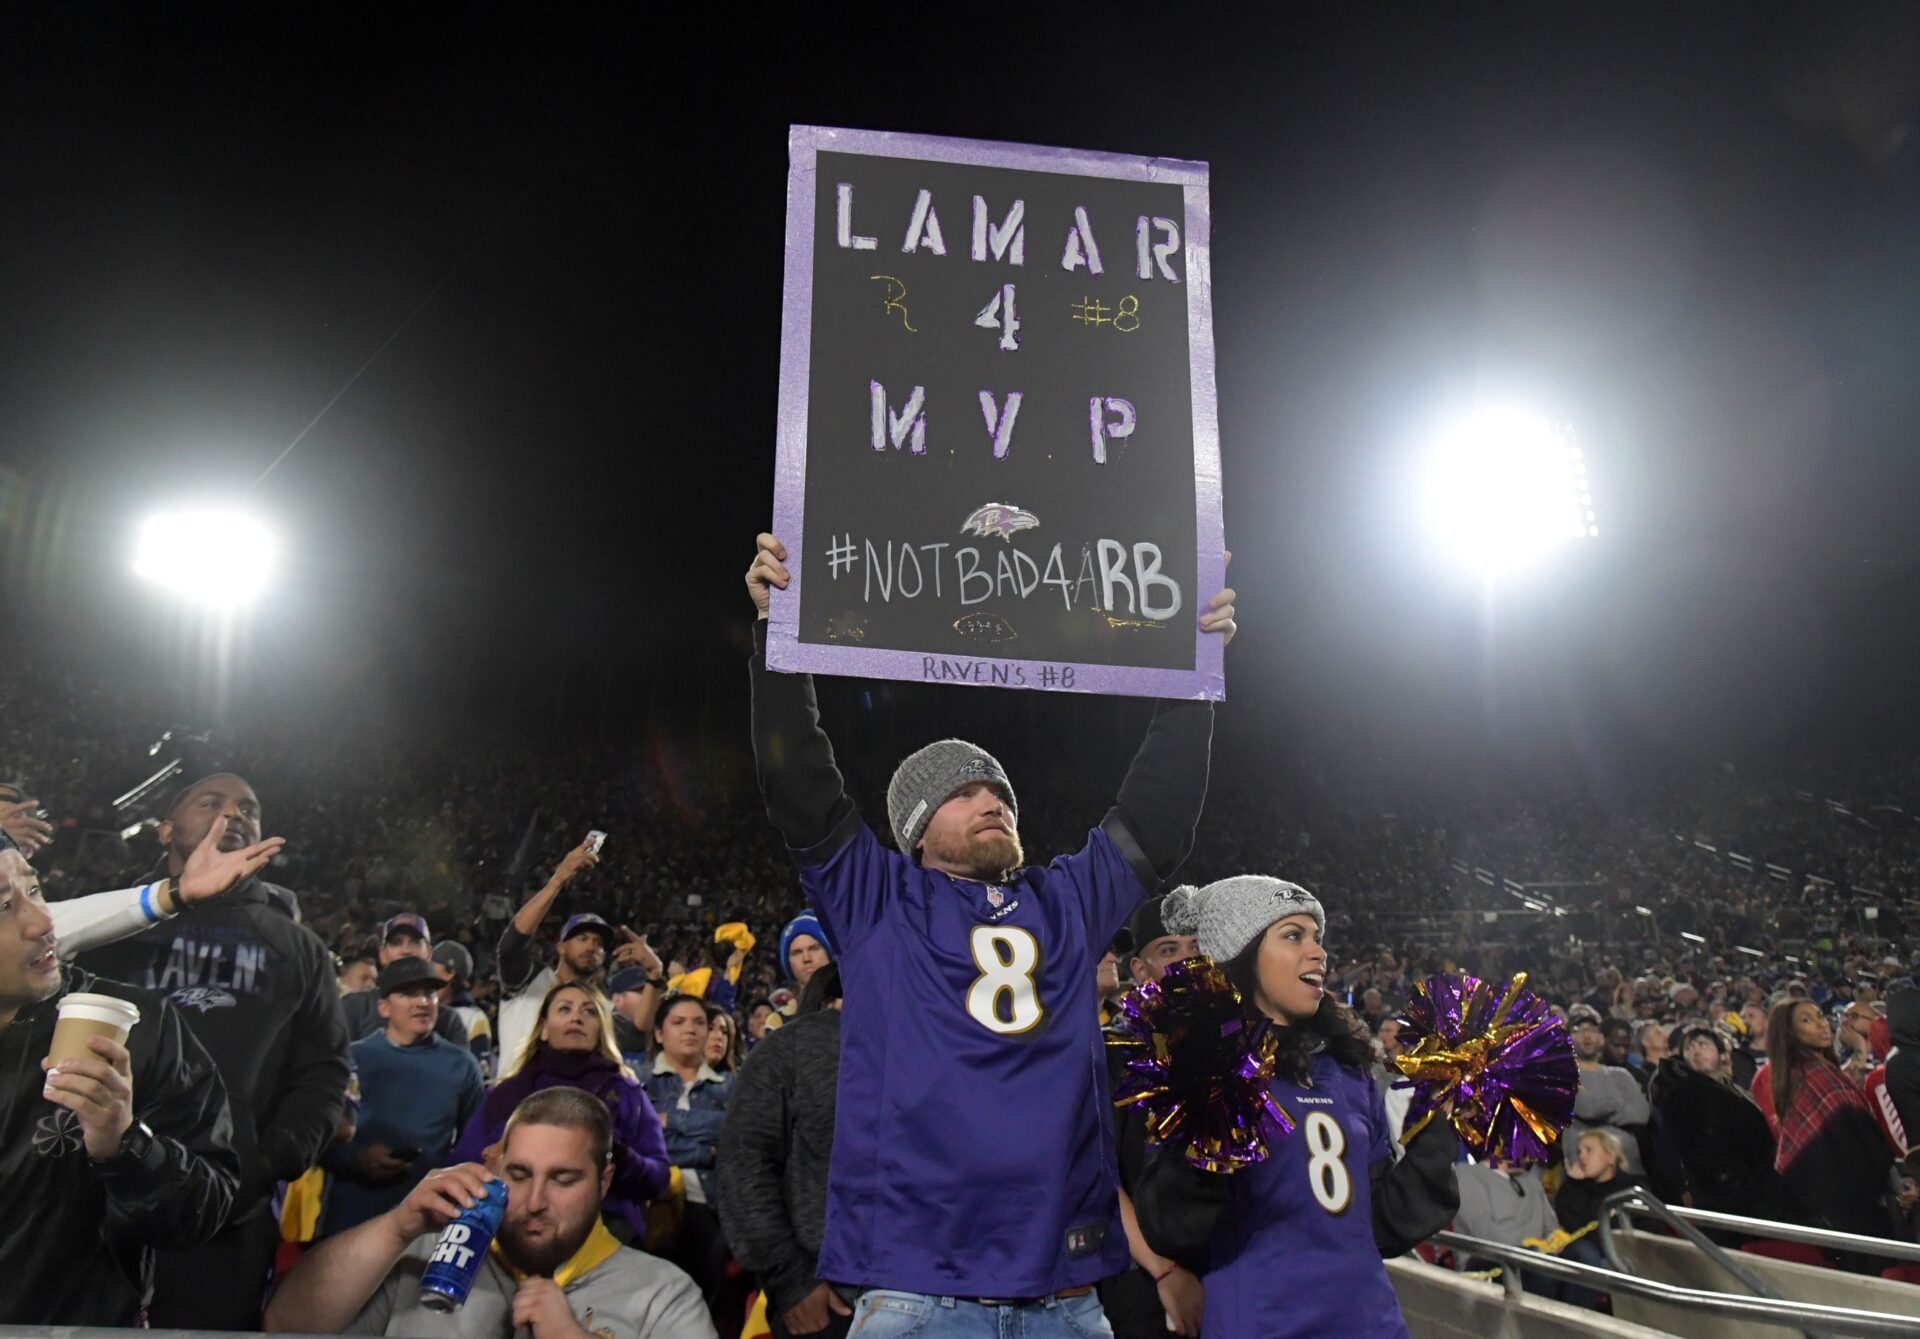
<point x="1884" y="1110"/>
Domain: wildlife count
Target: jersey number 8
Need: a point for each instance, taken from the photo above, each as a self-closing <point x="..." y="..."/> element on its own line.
<point x="1007" y="957"/>
<point x="1326" y="1173"/>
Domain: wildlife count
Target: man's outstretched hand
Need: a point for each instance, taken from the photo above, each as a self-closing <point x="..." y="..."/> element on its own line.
<point x="769" y="569"/>
<point x="22" y="822"/>
<point x="1219" y="616"/>
<point x="210" y="871"/>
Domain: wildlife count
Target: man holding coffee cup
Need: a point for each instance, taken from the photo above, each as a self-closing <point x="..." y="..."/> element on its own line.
<point x="115" y="1136"/>
<point x="258" y="991"/>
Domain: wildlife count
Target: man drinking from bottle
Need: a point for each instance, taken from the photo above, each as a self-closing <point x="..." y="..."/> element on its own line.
<point x="554" y="1270"/>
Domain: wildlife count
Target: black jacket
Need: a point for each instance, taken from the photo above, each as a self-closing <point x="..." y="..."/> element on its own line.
<point x="362" y="1012"/>
<point x="1578" y="1201"/>
<point x="1722" y="1141"/>
<point x="773" y="1156"/>
<point x="1130" y="1298"/>
<point x="259" y="993"/>
<point x="76" y="1239"/>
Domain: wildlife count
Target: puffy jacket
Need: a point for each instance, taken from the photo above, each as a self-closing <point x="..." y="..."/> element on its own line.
<point x="1722" y="1140"/>
<point x="76" y="1246"/>
<point x="258" y="991"/>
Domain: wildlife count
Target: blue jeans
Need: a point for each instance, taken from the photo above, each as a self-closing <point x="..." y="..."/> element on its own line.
<point x="882" y="1313"/>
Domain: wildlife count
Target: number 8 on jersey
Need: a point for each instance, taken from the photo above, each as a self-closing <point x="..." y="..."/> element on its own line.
<point x="1009" y="959"/>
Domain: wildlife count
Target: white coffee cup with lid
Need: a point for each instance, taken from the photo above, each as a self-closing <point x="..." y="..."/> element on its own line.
<point x="82" y="1016"/>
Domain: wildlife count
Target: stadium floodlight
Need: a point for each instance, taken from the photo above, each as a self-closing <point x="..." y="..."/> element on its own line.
<point x="1693" y="938"/>
<point x="1644" y="911"/>
<point x="1502" y="487"/>
<point x="217" y="557"/>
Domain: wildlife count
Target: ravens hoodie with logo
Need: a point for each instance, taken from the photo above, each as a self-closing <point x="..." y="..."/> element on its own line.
<point x="77" y="1236"/>
<point x="259" y="992"/>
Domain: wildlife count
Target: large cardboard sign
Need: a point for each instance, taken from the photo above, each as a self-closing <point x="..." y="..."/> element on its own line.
<point x="998" y="450"/>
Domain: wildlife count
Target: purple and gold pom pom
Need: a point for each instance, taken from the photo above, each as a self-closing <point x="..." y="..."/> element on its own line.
<point x="1503" y="1059"/>
<point x="1198" y="1068"/>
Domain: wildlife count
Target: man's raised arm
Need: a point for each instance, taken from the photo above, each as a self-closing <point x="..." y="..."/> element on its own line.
<point x="1158" y="808"/>
<point x="805" y="794"/>
<point x="514" y="954"/>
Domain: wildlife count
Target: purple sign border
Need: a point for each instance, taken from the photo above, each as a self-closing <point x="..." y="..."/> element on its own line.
<point x="785" y="650"/>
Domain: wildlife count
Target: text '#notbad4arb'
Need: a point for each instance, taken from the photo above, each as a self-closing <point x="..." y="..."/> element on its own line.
<point x="1105" y="574"/>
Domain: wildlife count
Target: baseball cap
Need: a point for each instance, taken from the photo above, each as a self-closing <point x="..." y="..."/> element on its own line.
<point x="410" y="921"/>
<point x="402" y="973"/>
<point x="627" y="978"/>
<point x="1146" y="924"/>
<point x="586" y="920"/>
<point x="453" y="956"/>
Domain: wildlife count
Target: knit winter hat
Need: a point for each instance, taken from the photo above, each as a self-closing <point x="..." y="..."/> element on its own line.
<point x="806" y="923"/>
<point x="1229" y="914"/>
<point x="928" y="778"/>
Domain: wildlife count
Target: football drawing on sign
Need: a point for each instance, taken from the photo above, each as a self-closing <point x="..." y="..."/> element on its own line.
<point x="984" y="627"/>
<point x="999" y="518"/>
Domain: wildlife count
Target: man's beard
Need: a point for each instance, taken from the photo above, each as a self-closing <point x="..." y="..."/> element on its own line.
<point x="544" y="1259"/>
<point x="987" y="857"/>
<point x="591" y="972"/>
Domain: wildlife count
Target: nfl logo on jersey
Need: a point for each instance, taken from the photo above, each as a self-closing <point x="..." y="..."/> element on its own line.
<point x="995" y="897"/>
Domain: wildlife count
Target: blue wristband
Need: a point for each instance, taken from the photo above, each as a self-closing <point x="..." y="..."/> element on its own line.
<point x="146" y="905"/>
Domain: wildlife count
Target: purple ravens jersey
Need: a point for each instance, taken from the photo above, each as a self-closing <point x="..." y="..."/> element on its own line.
<point x="973" y="1155"/>
<point x="1294" y="1253"/>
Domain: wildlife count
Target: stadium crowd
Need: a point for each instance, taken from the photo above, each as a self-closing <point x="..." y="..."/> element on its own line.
<point x="349" y="1032"/>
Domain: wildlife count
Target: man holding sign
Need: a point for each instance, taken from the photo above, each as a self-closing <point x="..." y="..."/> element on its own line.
<point x="982" y="1177"/>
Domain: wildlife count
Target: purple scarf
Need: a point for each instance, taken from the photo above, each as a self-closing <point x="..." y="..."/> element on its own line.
<point x="548" y="1068"/>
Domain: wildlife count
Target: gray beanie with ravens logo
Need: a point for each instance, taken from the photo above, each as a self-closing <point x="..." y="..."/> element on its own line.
<point x="1229" y="914"/>
<point x="925" y="780"/>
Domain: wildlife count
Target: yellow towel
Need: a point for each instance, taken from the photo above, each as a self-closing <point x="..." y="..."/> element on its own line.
<point x="757" y="1326"/>
<point x="735" y="934"/>
<point x="692" y="983"/>
<point x="300" y="1215"/>
<point x="1558" y="1241"/>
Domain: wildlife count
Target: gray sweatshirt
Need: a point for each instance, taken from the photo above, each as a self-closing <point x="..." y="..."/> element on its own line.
<point x="1501" y="1208"/>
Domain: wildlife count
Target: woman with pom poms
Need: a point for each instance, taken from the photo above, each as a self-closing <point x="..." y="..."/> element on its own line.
<point x="1292" y="1245"/>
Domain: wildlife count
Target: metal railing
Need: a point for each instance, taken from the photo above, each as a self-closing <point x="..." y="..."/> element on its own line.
<point x="1644" y="1202"/>
<point x="1838" y="1320"/>
<point x="1640" y="1202"/>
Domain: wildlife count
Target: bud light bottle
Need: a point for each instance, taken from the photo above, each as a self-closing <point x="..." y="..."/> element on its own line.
<point x="461" y="1251"/>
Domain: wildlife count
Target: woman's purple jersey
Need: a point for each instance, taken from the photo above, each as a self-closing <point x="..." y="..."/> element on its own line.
<point x="1294" y="1252"/>
<point x="973" y="1155"/>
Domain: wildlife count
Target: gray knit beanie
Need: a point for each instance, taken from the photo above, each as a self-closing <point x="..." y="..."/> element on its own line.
<point x="1231" y="913"/>
<point x="925" y="780"/>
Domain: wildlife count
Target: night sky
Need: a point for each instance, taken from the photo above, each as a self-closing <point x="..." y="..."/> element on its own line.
<point x="1693" y="231"/>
